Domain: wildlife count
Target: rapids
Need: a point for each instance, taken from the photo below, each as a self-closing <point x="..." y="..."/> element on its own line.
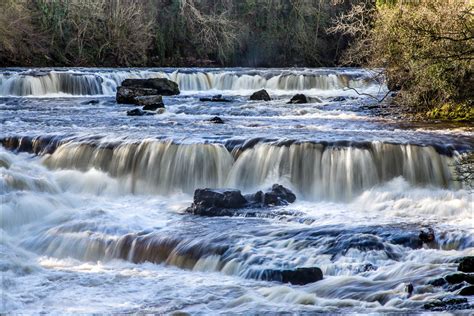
<point x="93" y="201"/>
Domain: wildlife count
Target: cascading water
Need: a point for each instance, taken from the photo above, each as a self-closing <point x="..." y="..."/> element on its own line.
<point x="93" y="201"/>
<point x="97" y="82"/>
<point x="316" y="171"/>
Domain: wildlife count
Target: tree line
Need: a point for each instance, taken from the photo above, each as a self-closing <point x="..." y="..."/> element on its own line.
<point x="257" y="33"/>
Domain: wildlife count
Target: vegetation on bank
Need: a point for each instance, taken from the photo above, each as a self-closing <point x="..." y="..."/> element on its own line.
<point x="170" y="32"/>
<point x="425" y="48"/>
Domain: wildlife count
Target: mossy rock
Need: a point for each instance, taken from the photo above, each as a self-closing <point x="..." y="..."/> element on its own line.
<point x="453" y="112"/>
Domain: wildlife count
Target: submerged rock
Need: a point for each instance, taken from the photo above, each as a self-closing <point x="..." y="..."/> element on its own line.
<point x="228" y="202"/>
<point x="427" y="236"/>
<point x="299" y="276"/>
<point x="260" y="95"/>
<point x="138" y="112"/>
<point x="150" y="102"/>
<point x="467" y="291"/>
<point x="448" y="303"/>
<point x="215" y="98"/>
<point x="456" y="278"/>
<point x="216" y="120"/>
<point x="339" y="99"/>
<point x="466" y="264"/>
<point x="298" y="99"/>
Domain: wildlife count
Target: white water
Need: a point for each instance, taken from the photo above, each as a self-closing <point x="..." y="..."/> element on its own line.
<point x="97" y="82"/>
<point x="93" y="200"/>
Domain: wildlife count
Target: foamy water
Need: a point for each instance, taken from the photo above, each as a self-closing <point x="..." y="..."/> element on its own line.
<point x="93" y="201"/>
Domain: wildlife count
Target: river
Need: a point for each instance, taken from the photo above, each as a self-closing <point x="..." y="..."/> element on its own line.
<point x="93" y="200"/>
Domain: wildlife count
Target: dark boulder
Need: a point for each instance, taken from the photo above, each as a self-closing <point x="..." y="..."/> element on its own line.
<point x="278" y="195"/>
<point x="466" y="264"/>
<point x="216" y="120"/>
<point x="215" y="98"/>
<point x="298" y="99"/>
<point x="456" y="278"/>
<point x="150" y="102"/>
<point x="138" y="112"/>
<point x="467" y="291"/>
<point x="160" y="86"/>
<point x="260" y="95"/>
<point x="229" y="202"/>
<point x="427" y="236"/>
<point x="299" y="276"/>
<point x="409" y="288"/>
<point x="448" y="303"/>
<point x="437" y="282"/>
<point x="213" y="202"/>
<point x="339" y="99"/>
<point x="128" y="95"/>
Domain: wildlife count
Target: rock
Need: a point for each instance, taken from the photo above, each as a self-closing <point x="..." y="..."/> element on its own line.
<point x="128" y="95"/>
<point x="213" y="202"/>
<point x="215" y="98"/>
<point x="447" y="303"/>
<point x="367" y="267"/>
<point x="409" y="289"/>
<point x="438" y="282"/>
<point x="456" y="278"/>
<point x="466" y="264"/>
<point x="216" y="120"/>
<point x="150" y="102"/>
<point x="91" y="102"/>
<point x="138" y="112"/>
<point x="467" y="291"/>
<point x="278" y="195"/>
<point x="339" y="99"/>
<point x="298" y="99"/>
<point x="160" y="86"/>
<point x="427" y="236"/>
<point x="299" y="276"/>
<point x="261" y="95"/>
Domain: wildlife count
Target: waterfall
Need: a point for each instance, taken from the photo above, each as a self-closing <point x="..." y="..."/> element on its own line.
<point x="101" y="82"/>
<point x="314" y="170"/>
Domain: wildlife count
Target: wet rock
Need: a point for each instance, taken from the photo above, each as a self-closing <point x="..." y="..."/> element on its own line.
<point x="215" y="98"/>
<point x="467" y="291"/>
<point x="278" y="195"/>
<point x="91" y="102"/>
<point x="427" y="236"/>
<point x="138" y="112"/>
<point x="160" y="86"/>
<point x="367" y="267"/>
<point x="438" y="282"/>
<point x="298" y="99"/>
<point x="150" y="102"/>
<point x="229" y="202"/>
<point x="132" y="90"/>
<point x="448" y="303"/>
<point x="339" y="99"/>
<point x="213" y="202"/>
<point x="216" y="120"/>
<point x="261" y="95"/>
<point x="409" y="289"/>
<point x="128" y="95"/>
<point x="466" y="264"/>
<point x="299" y="276"/>
<point x="456" y="278"/>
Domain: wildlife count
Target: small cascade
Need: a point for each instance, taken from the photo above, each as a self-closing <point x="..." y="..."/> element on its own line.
<point x="314" y="170"/>
<point x="101" y="82"/>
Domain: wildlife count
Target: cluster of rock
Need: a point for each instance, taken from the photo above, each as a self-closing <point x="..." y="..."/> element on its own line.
<point x="461" y="283"/>
<point x="262" y="95"/>
<point x="146" y="93"/>
<point x="229" y="202"/>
